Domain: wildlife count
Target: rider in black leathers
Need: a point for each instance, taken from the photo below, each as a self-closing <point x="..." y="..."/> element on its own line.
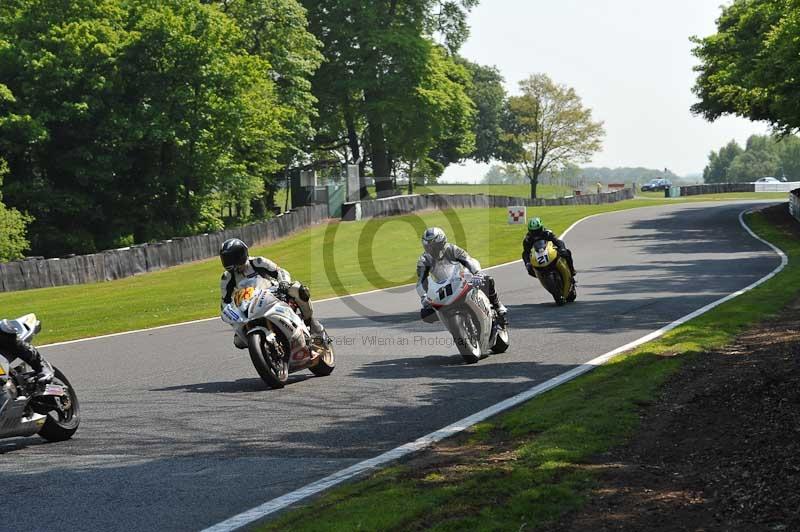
<point x="12" y="347"/>
<point x="537" y="231"/>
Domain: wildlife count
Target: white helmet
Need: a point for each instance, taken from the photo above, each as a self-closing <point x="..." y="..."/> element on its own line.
<point x="434" y="241"/>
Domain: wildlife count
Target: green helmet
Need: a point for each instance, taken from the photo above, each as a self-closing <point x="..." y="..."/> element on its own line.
<point x="535" y="224"/>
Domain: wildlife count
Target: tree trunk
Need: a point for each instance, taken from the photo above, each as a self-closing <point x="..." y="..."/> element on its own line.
<point x="380" y="159"/>
<point x="355" y="151"/>
<point x="380" y="155"/>
<point x="534" y="183"/>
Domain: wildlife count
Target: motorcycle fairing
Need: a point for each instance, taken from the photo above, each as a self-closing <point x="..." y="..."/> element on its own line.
<point x="454" y="298"/>
<point x="546" y="259"/>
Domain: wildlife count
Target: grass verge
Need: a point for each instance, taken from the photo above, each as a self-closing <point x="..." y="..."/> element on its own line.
<point x="525" y="468"/>
<point x="333" y="259"/>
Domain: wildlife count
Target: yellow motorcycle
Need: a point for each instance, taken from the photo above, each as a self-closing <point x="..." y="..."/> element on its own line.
<point x="553" y="272"/>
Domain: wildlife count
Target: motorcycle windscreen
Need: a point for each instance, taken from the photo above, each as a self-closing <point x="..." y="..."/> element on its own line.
<point x="444" y="270"/>
<point x="540" y="245"/>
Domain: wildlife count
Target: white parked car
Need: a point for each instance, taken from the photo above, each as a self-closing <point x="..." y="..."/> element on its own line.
<point x="768" y="180"/>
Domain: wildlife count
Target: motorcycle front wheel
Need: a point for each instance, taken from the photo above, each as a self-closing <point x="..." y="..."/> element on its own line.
<point x="60" y="425"/>
<point x="272" y="366"/>
<point x="326" y="364"/>
<point x="468" y="344"/>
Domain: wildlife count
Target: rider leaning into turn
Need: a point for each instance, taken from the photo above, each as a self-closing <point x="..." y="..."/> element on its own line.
<point x="239" y="265"/>
<point x="434" y="242"/>
<point x="12" y="347"/>
<point x="537" y="231"/>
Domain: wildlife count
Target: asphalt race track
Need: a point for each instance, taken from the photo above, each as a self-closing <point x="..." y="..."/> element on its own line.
<point x="179" y="433"/>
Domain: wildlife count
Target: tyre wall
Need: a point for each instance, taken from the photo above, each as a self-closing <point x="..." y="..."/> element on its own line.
<point x="397" y="205"/>
<point x="794" y="203"/>
<point x="717" y="188"/>
<point x="120" y="263"/>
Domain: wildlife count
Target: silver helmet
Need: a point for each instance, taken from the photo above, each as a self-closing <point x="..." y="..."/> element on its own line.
<point x="434" y="241"/>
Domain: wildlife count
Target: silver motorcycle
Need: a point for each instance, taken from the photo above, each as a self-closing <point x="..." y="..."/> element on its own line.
<point x="267" y="321"/>
<point x="466" y="312"/>
<point x="28" y="407"/>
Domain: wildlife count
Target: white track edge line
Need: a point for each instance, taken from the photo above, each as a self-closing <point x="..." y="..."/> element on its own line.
<point x="203" y="320"/>
<point x="279" y="503"/>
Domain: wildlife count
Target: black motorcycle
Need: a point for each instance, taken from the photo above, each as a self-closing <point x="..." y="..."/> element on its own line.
<point x="28" y="407"/>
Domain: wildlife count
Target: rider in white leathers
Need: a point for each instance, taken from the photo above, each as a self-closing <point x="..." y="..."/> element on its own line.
<point x="436" y="247"/>
<point x="239" y="265"/>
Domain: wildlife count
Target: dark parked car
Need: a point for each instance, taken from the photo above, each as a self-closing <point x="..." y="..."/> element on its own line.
<point x="656" y="185"/>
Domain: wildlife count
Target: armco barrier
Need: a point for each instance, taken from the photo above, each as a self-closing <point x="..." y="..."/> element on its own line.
<point x="716" y="188"/>
<point x="407" y="204"/>
<point x="794" y="203"/>
<point x="777" y="187"/>
<point x="125" y="262"/>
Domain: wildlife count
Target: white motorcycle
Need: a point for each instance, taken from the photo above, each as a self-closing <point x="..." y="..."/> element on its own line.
<point x="28" y="407"/>
<point x="268" y="322"/>
<point x="465" y="311"/>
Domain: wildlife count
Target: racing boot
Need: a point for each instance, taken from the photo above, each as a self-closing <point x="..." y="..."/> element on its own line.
<point x="318" y="333"/>
<point x="491" y="293"/>
<point x="46" y="373"/>
<point x="502" y="312"/>
<point x="31" y="355"/>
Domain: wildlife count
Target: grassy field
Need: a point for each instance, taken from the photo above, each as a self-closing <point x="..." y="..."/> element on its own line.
<point x="530" y="465"/>
<point x="333" y="259"/>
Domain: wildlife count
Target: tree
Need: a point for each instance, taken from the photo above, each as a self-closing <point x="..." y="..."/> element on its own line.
<point x="719" y="163"/>
<point x="503" y="175"/>
<point x="384" y="71"/>
<point x="133" y="120"/>
<point x="489" y="97"/>
<point x="547" y="127"/>
<point x="749" y="68"/>
<point x="277" y="31"/>
<point x="762" y="156"/>
<point x="752" y="164"/>
<point x="13" y="240"/>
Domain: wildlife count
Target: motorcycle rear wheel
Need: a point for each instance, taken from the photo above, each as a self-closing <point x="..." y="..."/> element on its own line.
<point x="573" y="294"/>
<point x="274" y="372"/>
<point x="501" y="342"/>
<point x="60" y="426"/>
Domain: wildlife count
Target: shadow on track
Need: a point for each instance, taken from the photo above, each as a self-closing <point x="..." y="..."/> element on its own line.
<point x="237" y="386"/>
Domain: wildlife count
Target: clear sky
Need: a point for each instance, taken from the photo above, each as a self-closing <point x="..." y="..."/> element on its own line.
<point x="630" y="61"/>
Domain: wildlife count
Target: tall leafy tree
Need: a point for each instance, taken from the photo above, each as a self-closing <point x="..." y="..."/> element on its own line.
<point x="277" y="31"/>
<point x="380" y="61"/>
<point x="749" y="66"/>
<point x="719" y="163"/>
<point x="547" y="127"/>
<point x="131" y="121"/>
<point x="13" y="238"/>
<point x="489" y="96"/>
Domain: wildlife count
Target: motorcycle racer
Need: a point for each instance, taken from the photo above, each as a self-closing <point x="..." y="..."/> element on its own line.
<point x="239" y="265"/>
<point x="13" y="347"/>
<point x="537" y="231"/>
<point x="436" y="248"/>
